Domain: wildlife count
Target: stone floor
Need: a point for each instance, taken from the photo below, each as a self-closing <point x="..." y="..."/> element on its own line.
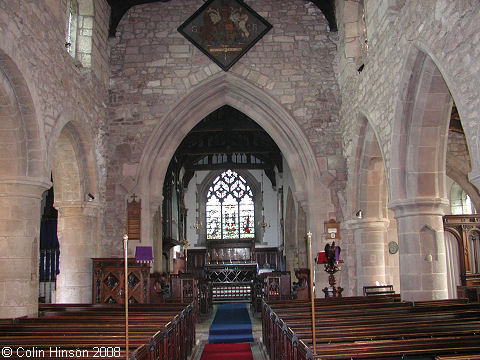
<point x="203" y="325"/>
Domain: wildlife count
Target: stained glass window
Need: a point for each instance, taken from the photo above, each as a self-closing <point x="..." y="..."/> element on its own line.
<point x="230" y="209"/>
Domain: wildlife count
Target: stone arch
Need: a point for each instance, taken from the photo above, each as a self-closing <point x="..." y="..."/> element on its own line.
<point x="371" y="189"/>
<point x="458" y="174"/>
<point x="227" y="89"/>
<point x="370" y="218"/>
<point x="417" y="175"/>
<point x="420" y="130"/>
<point x="22" y="178"/>
<point x="72" y="137"/>
<point x="21" y="138"/>
<point x="74" y="177"/>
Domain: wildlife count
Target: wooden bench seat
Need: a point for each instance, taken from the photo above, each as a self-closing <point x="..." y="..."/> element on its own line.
<point x="402" y="348"/>
<point x="372" y="330"/>
<point x="168" y="331"/>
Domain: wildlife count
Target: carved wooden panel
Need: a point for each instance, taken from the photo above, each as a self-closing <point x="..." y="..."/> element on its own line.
<point x="277" y="285"/>
<point x="109" y="281"/>
<point x="466" y="230"/>
<point x="184" y="288"/>
<point x="269" y="257"/>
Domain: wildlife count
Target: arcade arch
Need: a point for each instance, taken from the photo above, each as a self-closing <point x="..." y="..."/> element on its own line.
<point x="417" y="176"/>
<point x="74" y="178"/>
<point x="22" y="181"/>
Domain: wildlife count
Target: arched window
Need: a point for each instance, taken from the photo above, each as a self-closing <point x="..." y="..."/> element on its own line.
<point x="460" y="202"/>
<point x="229" y="208"/>
<point x="71" y="27"/>
<point x="79" y="31"/>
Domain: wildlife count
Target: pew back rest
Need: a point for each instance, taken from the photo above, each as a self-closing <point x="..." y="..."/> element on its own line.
<point x="378" y="290"/>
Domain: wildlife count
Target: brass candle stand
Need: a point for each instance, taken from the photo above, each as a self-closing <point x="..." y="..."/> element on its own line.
<point x="332" y="253"/>
<point x="332" y="291"/>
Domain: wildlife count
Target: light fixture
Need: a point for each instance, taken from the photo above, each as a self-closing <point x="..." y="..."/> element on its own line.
<point x="90" y="197"/>
<point x="359" y="214"/>
<point x="263" y="224"/>
<point x="197" y="225"/>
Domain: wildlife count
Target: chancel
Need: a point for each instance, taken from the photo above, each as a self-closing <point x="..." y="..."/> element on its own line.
<point x="296" y="179"/>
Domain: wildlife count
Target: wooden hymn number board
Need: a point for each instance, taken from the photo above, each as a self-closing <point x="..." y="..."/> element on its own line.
<point x="332" y="229"/>
<point x="134" y="211"/>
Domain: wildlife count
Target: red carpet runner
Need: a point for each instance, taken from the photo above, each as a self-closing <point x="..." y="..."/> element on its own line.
<point x="227" y="352"/>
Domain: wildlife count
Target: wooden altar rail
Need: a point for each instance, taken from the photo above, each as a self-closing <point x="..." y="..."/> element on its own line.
<point x="352" y="329"/>
<point x="163" y="332"/>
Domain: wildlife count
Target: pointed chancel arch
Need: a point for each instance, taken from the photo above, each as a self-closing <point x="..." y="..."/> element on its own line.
<point x="227" y="89"/>
<point x="417" y="176"/>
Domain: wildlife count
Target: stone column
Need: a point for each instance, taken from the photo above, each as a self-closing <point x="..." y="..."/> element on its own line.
<point x="369" y="236"/>
<point x="423" y="274"/>
<point x="78" y="234"/>
<point x="20" y="201"/>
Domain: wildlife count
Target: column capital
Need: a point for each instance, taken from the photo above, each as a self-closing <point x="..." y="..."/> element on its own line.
<point x="23" y="186"/>
<point x="418" y="206"/>
<point x="367" y="223"/>
<point x="75" y="208"/>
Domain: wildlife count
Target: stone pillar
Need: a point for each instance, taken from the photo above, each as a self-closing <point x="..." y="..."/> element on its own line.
<point x="369" y="236"/>
<point x="78" y="234"/>
<point x="20" y="201"/>
<point x="157" y="240"/>
<point x="423" y="269"/>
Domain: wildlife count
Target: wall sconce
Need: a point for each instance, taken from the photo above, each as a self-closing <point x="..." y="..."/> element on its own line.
<point x="197" y="225"/>
<point x="359" y="214"/>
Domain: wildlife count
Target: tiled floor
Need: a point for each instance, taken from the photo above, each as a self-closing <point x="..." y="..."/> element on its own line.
<point x="203" y="325"/>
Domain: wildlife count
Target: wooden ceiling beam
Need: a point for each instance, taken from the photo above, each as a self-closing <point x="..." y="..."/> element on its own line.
<point x="118" y="8"/>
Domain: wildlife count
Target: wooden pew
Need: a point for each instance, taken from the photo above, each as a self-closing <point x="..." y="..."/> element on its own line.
<point x="155" y="331"/>
<point x="350" y="328"/>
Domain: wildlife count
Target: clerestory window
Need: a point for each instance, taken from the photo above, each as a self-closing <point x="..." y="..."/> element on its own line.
<point x="71" y="30"/>
<point x="230" y="208"/>
<point x="79" y="31"/>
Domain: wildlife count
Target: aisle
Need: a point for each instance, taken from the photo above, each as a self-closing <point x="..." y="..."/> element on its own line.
<point x="202" y="333"/>
<point x="231" y="325"/>
<point x="227" y="351"/>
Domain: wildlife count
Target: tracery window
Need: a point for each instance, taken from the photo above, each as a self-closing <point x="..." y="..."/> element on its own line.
<point x="230" y="209"/>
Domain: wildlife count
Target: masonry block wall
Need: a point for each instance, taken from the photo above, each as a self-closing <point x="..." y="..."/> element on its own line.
<point x="42" y="90"/>
<point x="153" y="66"/>
<point x="438" y="31"/>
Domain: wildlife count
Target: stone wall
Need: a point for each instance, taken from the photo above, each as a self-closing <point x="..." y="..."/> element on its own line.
<point x="49" y="91"/>
<point x="153" y="67"/>
<point x="445" y="33"/>
<point x="392" y="32"/>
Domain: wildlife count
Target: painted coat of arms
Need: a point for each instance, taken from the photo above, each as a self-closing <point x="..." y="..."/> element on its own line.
<point x="224" y="30"/>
